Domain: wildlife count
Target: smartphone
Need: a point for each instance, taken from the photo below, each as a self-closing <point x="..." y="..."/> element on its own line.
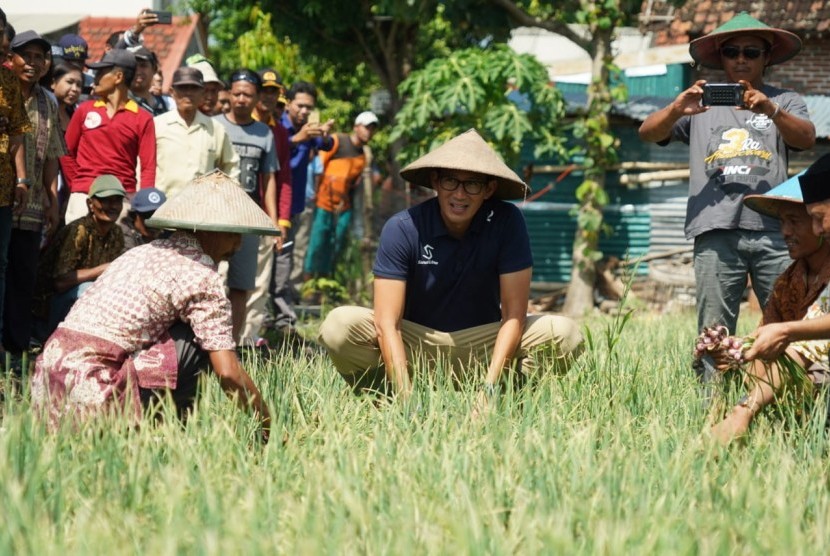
<point x="314" y="117"/>
<point x="723" y="94"/>
<point x="164" y="18"/>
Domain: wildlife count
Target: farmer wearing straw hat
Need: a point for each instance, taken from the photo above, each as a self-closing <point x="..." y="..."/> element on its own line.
<point x="734" y="152"/>
<point x="794" y="296"/>
<point x="158" y="315"/>
<point x="452" y="279"/>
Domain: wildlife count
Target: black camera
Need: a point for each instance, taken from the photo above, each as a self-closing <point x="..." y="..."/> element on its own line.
<point x="723" y="94"/>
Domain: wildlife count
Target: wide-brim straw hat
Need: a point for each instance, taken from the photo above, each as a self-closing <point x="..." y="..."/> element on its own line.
<point x="770" y="203"/>
<point x="467" y="152"/>
<point x="706" y="49"/>
<point x="214" y="203"/>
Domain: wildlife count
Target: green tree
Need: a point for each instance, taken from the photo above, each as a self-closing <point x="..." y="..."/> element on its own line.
<point x="243" y="34"/>
<point x="389" y="38"/>
<point x="599" y="19"/>
<point x="468" y="88"/>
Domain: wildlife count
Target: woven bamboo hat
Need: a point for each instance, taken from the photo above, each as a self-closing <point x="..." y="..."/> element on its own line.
<point x="214" y="203"/>
<point x="787" y="193"/>
<point x="706" y="49"/>
<point x="471" y="153"/>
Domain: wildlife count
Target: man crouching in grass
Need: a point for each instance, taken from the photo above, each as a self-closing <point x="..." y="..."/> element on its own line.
<point x="452" y="282"/>
<point x="797" y="315"/>
<point x="156" y="317"/>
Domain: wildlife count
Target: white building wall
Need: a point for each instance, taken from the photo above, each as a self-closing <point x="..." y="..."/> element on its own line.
<point x="96" y="8"/>
<point x="51" y="16"/>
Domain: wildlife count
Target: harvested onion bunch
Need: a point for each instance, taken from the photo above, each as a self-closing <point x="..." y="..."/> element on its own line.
<point x="729" y="352"/>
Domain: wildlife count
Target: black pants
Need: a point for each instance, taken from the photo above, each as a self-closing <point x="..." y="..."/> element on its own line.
<point x="192" y="361"/>
<point x="21" y="274"/>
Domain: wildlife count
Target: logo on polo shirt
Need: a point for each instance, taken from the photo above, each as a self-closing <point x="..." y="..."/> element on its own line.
<point x="490" y="216"/>
<point x="92" y="120"/>
<point x="426" y="256"/>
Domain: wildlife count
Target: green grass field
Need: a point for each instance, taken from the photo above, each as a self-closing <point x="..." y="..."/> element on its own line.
<point x="607" y="459"/>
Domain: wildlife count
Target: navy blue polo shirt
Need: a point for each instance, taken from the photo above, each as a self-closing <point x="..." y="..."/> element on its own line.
<point x="452" y="284"/>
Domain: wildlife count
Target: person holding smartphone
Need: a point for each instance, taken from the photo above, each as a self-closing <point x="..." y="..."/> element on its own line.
<point x="735" y="151"/>
<point x="305" y="136"/>
<point x="132" y="37"/>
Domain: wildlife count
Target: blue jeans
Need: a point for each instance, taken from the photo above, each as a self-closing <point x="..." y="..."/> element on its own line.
<point x="5" y="237"/>
<point x="722" y="260"/>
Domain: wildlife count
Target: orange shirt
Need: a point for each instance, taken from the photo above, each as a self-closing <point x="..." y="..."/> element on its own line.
<point x="342" y="168"/>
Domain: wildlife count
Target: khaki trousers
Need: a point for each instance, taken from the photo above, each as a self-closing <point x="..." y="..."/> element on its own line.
<point x="257" y="306"/>
<point x="348" y="333"/>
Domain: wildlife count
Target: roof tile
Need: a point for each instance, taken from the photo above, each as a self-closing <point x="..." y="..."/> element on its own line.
<point x="168" y="42"/>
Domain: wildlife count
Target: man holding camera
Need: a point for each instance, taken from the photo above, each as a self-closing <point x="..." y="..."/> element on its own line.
<point x="735" y="150"/>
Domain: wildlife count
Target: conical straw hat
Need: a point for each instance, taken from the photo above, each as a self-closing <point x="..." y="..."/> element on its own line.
<point x="706" y="49"/>
<point x="468" y="152"/>
<point x="214" y="203"/>
<point x="770" y="203"/>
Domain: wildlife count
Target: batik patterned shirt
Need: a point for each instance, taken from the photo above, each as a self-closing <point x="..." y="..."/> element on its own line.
<point x="115" y="339"/>
<point x="816" y="350"/>
<point x="11" y="108"/>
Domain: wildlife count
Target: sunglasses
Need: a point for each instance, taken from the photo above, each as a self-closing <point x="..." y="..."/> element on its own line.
<point x="749" y="52"/>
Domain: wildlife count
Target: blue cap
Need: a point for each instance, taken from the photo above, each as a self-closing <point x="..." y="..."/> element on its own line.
<point x="148" y="199"/>
<point x="770" y="202"/>
<point x="74" y="47"/>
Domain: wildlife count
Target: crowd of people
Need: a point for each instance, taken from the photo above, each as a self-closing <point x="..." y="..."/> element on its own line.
<point x="79" y="130"/>
<point x="117" y="211"/>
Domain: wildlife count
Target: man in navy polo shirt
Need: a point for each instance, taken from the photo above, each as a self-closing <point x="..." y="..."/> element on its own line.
<point x="452" y="281"/>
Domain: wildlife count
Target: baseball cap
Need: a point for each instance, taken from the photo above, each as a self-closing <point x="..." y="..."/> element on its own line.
<point x="244" y="74"/>
<point x="74" y="47"/>
<point x="148" y="199"/>
<point x="106" y="185"/>
<point x="366" y="119"/>
<point x="26" y="37"/>
<point x="115" y="57"/>
<point x="143" y="53"/>
<point x="282" y="99"/>
<point x="202" y="64"/>
<point x="188" y="76"/>
<point x="270" y="78"/>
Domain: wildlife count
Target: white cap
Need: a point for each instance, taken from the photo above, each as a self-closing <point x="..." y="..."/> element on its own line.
<point x="366" y="118"/>
<point x="208" y="73"/>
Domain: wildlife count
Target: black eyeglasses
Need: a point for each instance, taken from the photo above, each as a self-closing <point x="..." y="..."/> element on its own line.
<point x="471" y="187"/>
<point x="749" y="52"/>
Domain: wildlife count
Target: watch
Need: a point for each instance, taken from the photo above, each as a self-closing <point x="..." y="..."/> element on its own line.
<point x="24" y="181"/>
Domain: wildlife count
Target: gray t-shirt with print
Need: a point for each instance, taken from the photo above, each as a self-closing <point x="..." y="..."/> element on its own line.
<point x="254" y="143"/>
<point x="733" y="153"/>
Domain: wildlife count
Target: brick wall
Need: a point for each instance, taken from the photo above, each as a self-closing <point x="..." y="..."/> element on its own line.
<point x="808" y="73"/>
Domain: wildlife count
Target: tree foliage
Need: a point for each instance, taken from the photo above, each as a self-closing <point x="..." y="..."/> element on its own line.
<point x="598" y="21"/>
<point x="505" y="95"/>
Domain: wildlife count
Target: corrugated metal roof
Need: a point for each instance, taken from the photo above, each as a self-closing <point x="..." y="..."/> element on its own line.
<point x="819" y="107"/>
<point x="552" y="227"/>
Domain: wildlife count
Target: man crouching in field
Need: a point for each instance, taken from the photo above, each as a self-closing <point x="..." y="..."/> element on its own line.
<point x="154" y="319"/>
<point x="452" y="281"/>
<point x="793" y="320"/>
